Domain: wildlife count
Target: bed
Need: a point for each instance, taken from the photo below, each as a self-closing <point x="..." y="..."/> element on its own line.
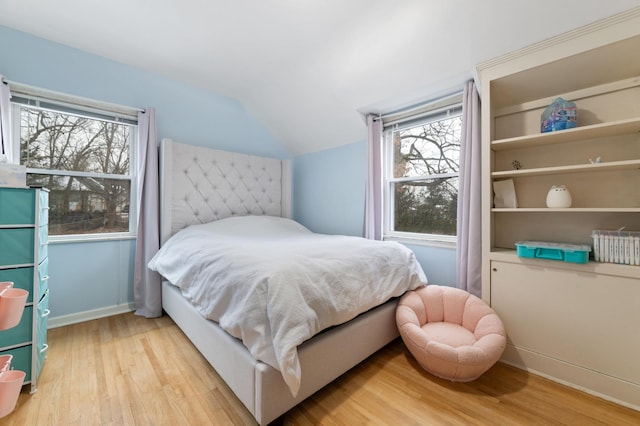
<point x="206" y="186"/>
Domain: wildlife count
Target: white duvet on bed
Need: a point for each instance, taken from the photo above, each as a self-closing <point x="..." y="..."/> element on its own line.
<point x="274" y="284"/>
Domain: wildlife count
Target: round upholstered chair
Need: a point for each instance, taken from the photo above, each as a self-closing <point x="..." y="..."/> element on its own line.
<point x="450" y="332"/>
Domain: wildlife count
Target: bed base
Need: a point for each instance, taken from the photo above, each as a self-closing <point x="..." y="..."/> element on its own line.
<point x="259" y="386"/>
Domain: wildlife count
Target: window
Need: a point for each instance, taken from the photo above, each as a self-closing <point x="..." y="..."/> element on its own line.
<point x="84" y="158"/>
<point x="422" y="154"/>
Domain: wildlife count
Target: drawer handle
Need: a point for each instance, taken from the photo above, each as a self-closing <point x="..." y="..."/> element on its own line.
<point x="44" y="348"/>
<point x="45" y="313"/>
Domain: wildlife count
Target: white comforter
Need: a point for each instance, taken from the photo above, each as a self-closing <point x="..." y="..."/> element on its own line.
<point x="274" y="284"/>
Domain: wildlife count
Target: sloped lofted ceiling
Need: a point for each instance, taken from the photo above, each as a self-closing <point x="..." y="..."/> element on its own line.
<point x="307" y="68"/>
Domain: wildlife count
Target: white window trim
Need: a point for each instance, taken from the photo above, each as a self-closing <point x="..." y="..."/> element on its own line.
<point x="87" y="238"/>
<point x="432" y="108"/>
<point x="431" y="240"/>
<point x="81" y="103"/>
<point x="89" y="105"/>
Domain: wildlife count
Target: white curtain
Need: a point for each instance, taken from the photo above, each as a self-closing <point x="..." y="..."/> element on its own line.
<point x="147" y="289"/>
<point x="373" y="194"/>
<point x="469" y="224"/>
<point x="6" y="144"/>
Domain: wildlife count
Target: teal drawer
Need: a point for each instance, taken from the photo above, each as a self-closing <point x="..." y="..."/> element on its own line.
<point x="44" y="208"/>
<point x="21" y="360"/>
<point x="41" y="342"/>
<point x="43" y="278"/>
<point x="21" y="278"/>
<point x="20" y="242"/>
<point x="43" y="243"/>
<point x="21" y="205"/>
<point x="21" y="333"/>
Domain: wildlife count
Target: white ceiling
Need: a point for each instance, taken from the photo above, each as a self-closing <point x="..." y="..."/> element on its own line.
<point x="307" y="68"/>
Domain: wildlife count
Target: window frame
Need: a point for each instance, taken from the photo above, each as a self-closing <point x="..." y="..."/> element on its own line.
<point x="30" y="97"/>
<point x="434" y="111"/>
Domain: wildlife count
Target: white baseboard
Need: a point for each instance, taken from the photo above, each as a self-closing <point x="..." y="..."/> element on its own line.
<point x="90" y="315"/>
<point x="602" y="385"/>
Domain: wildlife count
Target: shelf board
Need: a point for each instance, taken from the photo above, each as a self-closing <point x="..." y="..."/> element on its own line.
<point x="568" y="210"/>
<point x="614" y="128"/>
<point x="508" y="255"/>
<point x="575" y="168"/>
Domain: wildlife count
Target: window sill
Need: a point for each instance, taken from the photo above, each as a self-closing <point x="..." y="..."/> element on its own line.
<point x="426" y="242"/>
<point x="90" y="238"/>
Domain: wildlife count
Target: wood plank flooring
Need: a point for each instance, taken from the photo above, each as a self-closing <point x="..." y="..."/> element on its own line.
<point x="127" y="370"/>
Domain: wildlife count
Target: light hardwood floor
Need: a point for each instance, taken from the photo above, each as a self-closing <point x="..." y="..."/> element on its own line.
<point x="127" y="370"/>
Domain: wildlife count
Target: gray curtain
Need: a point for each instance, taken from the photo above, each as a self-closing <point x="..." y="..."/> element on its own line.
<point x="6" y="145"/>
<point x="373" y="194"/>
<point x="147" y="289"/>
<point x="469" y="249"/>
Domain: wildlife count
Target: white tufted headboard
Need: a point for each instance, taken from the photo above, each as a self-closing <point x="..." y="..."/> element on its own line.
<point x="199" y="185"/>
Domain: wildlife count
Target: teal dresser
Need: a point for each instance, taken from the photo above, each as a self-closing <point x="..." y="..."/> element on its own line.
<point x="24" y="217"/>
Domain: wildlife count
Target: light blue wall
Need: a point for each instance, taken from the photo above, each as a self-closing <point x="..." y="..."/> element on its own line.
<point x="439" y="263"/>
<point x="328" y="189"/>
<point x="328" y="197"/>
<point x="90" y="276"/>
<point x="98" y="275"/>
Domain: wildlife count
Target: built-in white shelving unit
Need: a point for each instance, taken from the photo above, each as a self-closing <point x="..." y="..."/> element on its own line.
<point x="575" y="323"/>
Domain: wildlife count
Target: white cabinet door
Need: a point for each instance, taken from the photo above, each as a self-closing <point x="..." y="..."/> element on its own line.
<point x="585" y="319"/>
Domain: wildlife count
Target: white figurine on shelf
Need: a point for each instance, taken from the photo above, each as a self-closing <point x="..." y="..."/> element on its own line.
<point x="558" y="197"/>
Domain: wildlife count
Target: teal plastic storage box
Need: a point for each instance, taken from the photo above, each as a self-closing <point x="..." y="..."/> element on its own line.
<point x="573" y="253"/>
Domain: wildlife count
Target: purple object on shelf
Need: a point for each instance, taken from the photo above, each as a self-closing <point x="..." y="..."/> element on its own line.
<point x="560" y="115"/>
